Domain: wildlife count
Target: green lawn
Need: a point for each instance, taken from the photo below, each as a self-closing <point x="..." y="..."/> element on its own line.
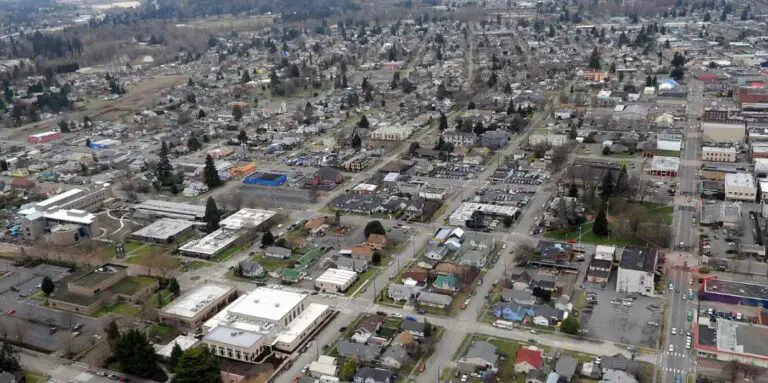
<point x="160" y="330"/>
<point x="130" y="245"/>
<point x="118" y="309"/>
<point x="166" y="298"/>
<point x="34" y="377"/>
<point x="194" y="265"/>
<point x="587" y="236"/>
<point x="226" y="254"/>
<point x="668" y="153"/>
<point x="361" y="278"/>
<point x="659" y="212"/>
<point x="130" y="285"/>
<point x="143" y="259"/>
<point x="579" y="298"/>
<point x="271" y="264"/>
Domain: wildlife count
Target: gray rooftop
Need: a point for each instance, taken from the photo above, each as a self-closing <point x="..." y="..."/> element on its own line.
<point x="483" y="350"/>
<point x="163" y="228"/>
<point x="235" y="337"/>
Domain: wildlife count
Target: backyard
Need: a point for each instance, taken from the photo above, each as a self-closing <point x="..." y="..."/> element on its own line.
<point x="118" y="309"/>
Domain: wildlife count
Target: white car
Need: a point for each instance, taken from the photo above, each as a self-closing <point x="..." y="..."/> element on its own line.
<point x="671" y="348"/>
<point x="396" y="315"/>
<point x="674" y="331"/>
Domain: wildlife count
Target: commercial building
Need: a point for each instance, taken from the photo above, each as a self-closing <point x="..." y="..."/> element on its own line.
<point x="261" y="323"/>
<point x="464" y="212"/>
<point x="164" y="230"/>
<point x="669" y="142"/>
<point x="636" y="271"/>
<point x="728" y="340"/>
<point x="335" y="280"/>
<point x="197" y="305"/>
<point x="662" y="166"/>
<point x="159" y="209"/>
<point x="759" y="149"/>
<point x="91" y="200"/>
<point x="601" y="264"/>
<point x="551" y="139"/>
<point x="735" y="293"/>
<point x="41" y="138"/>
<point x="265" y="179"/>
<point x="740" y="187"/>
<point x="392" y="133"/>
<point x="718" y="154"/>
<point x="717" y="171"/>
<point x="722" y="126"/>
<point x="238" y="228"/>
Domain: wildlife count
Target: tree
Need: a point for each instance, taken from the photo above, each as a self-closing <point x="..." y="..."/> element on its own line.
<point x="376" y="258"/>
<point x="471" y="105"/>
<point x="357" y="142"/>
<point x="193" y="143"/>
<point x="600" y="226"/>
<point x="134" y="353"/>
<point x="242" y="137"/>
<point x="337" y="217"/>
<point x="212" y="215"/>
<point x="237" y="112"/>
<point x="511" y="107"/>
<point x="363" y="123"/>
<point x="443" y="122"/>
<point x="267" y="239"/>
<point x="63" y="126"/>
<point x="200" y="114"/>
<point x="9" y="358"/>
<point x="677" y="73"/>
<point x="594" y="59"/>
<point x="113" y="333"/>
<point x="173" y="287"/>
<point x="570" y="325"/>
<point x="190" y="83"/>
<point x="707" y="17"/>
<point x="164" y="167"/>
<point x="374" y="227"/>
<point x="508" y="221"/>
<point x="198" y="365"/>
<point x="210" y="174"/>
<point x="47" y="286"/>
<point x="246" y="77"/>
<point x="348" y="370"/>
<point x="176" y="353"/>
<point x="607" y="186"/>
<point x="479" y="128"/>
<point x="622" y="181"/>
<point x="573" y="191"/>
<point x="412" y="148"/>
<point x="606" y="150"/>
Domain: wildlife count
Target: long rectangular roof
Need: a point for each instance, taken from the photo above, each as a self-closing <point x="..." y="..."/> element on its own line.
<point x="193" y="301"/>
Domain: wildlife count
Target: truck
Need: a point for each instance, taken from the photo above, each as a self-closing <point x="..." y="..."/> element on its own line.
<point x="504" y="324"/>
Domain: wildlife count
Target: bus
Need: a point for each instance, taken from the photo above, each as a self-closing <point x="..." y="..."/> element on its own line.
<point x="504" y="324"/>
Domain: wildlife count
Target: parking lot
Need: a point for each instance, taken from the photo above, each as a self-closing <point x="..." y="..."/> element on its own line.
<point x="457" y="172"/>
<point x="611" y="317"/>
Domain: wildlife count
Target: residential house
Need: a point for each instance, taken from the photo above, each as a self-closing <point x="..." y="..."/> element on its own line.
<point x="415" y="278"/>
<point x="416" y="328"/>
<point x="563" y="302"/>
<point x="537" y="376"/>
<point x="277" y="252"/>
<point x="400" y="293"/>
<point x="12" y="377"/>
<point x="521" y="297"/>
<point x="250" y="269"/>
<point x="314" y="223"/>
<point x="460" y="139"/>
<point x="480" y="356"/>
<point x="547" y="316"/>
<point x="434" y="300"/>
<point x="368" y="327"/>
<point x="529" y="280"/>
<point x="324" y="366"/>
<point x="566" y="367"/>
<point x="361" y="252"/>
<point x="373" y="375"/>
<point x="404" y="338"/>
<point x="446" y="282"/>
<point x="377" y="241"/>
<point x="395" y="357"/>
<point x="358" y="351"/>
<point x="494" y="139"/>
<point x="326" y="176"/>
<point x="351" y="264"/>
<point x="528" y="359"/>
<point x="514" y="312"/>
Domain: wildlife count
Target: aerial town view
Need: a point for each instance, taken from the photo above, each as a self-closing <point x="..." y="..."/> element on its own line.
<point x="384" y="191"/>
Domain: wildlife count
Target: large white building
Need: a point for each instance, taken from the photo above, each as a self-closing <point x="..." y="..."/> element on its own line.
<point x="669" y="142"/>
<point x="263" y="322"/>
<point x="718" y="154"/>
<point x="237" y="228"/>
<point x="636" y="271"/>
<point x="465" y="210"/>
<point x="551" y="139"/>
<point x="335" y="280"/>
<point x="392" y="133"/>
<point x="740" y="187"/>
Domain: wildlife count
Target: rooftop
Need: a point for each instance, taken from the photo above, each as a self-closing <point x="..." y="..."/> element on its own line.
<point x="717" y="149"/>
<point x="300" y="324"/>
<point x="163" y="228"/>
<point x="744" y="180"/>
<point x="739" y="289"/>
<point x="265" y="303"/>
<point x="236" y="337"/>
<point x="171" y="209"/>
<point x="73" y="216"/>
<point x="212" y="243"/>
<point x="190" y="303"/>
<point x="665" y="163"/>
<point x="634" y="258"/>
<point x="245" y="218"/>
<point x="336" y="276"/>
<point x="98" y="275"/>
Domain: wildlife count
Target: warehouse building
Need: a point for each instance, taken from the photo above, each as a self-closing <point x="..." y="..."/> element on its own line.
<point x="265" y="179"/>
<point x="165" y="209"/>
<point x="735" y="293"/>
<point x="669" y="142"/>
<point x="466" y="209"/>
<point x="726" y="340"/>
<point x="41" y="138"/>
<point x="237" y="229"/>
<point x="740" y="187"/>
<point x="164" y="230"/>
<point x="335" y="280"/>
<point x="392" y="133"/>
<point x="262" y="323"/>
<point x="197" y="305"/>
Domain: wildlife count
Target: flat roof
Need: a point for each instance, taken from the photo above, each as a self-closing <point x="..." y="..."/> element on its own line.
<point x="718" y="149"/>
<point x="98" y="275"/>
<point x="665" y="163"/>
<point x="38" y="135"/>
<point x="265" y="303"/>
<point x="233" y="336"/>
<point x="212" y="243"/>
<point x="163" y="228"/>
<point x="244" y="218"/>
<point x="74" y="216"/>
<point x="299" y="325"/>
<point x="189" y="304"/>
<point x="744" y="180"/>
<point x="59" y="197"/>
<point x="184" y="341"/>
<point x="738" y="289"/>
<point x="336" y="276"/>
<point x="465" y="210"/>
<point x="171" y="209"/>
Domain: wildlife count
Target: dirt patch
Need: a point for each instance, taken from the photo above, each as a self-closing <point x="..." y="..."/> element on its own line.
<point x="139" y="96"/>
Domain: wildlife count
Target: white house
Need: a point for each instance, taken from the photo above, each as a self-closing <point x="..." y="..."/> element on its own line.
<point x="636" y="271"/>
<point x="335" y="280"/>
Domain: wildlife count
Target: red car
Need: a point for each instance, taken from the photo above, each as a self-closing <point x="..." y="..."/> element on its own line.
<point x="10" y="312"/>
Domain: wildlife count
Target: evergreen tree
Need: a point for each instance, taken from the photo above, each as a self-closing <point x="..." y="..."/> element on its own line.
<point x="622" y="182"/>
<point x="9" y="358"/>
<point x="357" y="142"/>
<point x="113" y="333"/>
<point x="267" y="239"/>
<point x="173" y="287"/>
<point x="134" y="353"/>
<point x="200" y="114"/>
<point x="479" y="128"/>
<point x="242" y="137"/>
<point x="47" y="286"/>
<point x="190" y="82"/>
<point x="193" y="143"/>
<point x="573" y="191"/>
<point x="176" y="354"/>
<point x="212" y="215"/>
<point x="210" y="174"/>
<point x="364" y="124"/>
<point x="594" y="60"/>
<point x="443" y="122"/>
<point x="164" y="167"/>
<point x="600" y="226"/>
<point x="511" y="107"/>
<point x="198" y="365"/>
<point x="246" y="77"/>
<point x="607" y="186"/>
<point x="237" y="112"/>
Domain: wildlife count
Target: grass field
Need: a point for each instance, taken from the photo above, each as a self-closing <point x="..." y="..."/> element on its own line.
<point x="166" y="298"/>
<point x="668" y="153"/>
<point x="145" y="260"/>
<point x="130" y="285"/>
<point x="361" y="278"/>
<point x="271" y="264"/>
<point x="587" y="236"/>
<point x="227" y="254"/>
<point x="34" y="377"/>
<point x="119" y="309"/>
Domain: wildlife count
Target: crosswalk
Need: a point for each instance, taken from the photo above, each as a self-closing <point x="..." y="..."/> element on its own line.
<point x="673" y="370"/>
<point x="678" y="354"/>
